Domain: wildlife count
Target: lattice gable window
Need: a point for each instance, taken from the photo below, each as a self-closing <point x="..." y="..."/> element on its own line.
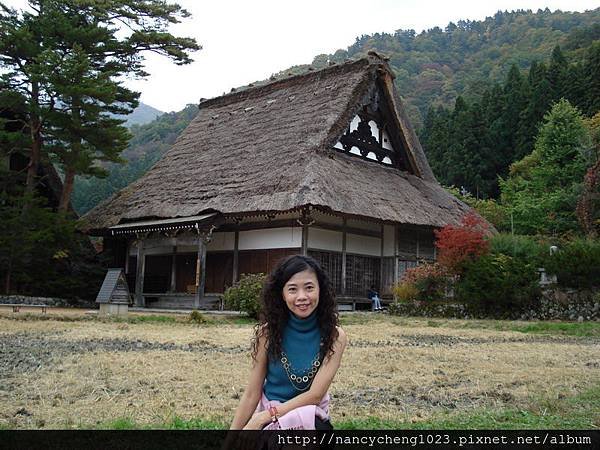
<point x="370" y="137"/>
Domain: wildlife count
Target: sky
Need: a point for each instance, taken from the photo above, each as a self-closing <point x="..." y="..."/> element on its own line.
<point x="245" y="41"/>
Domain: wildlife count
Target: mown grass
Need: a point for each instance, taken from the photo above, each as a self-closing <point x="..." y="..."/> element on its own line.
<point x="577" y="329"/>
<point x="556" y="328"/>
<point x="578" y="412"/>
<point x="176" y="423"/>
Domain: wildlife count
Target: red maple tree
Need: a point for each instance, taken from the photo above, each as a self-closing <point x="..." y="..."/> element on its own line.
<point x="458" y="244"/>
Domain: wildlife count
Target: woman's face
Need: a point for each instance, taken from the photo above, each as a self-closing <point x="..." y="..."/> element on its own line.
<point x="301" y="293"/>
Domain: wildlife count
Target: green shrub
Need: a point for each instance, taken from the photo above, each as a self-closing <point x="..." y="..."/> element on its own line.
<point x="426" y="283"/>
<point x="576" y="264"/>
<point x="197" y="317"/>
<point x="405" y="292"/>
<point x="526" y="248"/>
<point x="498" y="283"/>
<point x="245" y="294"/>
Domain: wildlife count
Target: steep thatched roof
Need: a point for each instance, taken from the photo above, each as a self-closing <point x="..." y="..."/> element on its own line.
<point x="269" y="149"/>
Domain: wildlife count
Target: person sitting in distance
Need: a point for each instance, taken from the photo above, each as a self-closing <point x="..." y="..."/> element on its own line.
<point x="375" y="300"/>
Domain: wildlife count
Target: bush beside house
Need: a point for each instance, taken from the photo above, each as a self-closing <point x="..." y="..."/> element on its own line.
<point x="478" y="275"/>
<point x="244" y="295"/>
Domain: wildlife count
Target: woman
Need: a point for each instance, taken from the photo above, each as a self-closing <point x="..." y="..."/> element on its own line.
<point x="296" y="351"/>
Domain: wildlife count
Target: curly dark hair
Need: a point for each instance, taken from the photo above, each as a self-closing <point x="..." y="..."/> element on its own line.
<point x="274" y="312"/>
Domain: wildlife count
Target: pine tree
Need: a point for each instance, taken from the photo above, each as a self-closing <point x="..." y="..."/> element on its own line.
<point x="515" y="97"/>
<point x="43" y="50"/>
<point x="543" y="187"/>
<point x="539" y="101"/>
<point x="557" y="74"/>
<point x="591" y="69"/>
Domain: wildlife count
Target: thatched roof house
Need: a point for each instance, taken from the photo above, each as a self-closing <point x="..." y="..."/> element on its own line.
<point x="330" y="150"/>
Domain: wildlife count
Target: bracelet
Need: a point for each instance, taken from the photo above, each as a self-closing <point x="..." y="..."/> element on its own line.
<point x="274" y="414"/>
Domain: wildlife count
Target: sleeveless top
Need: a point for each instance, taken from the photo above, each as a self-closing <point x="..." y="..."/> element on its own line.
<point x="293" y="372"/>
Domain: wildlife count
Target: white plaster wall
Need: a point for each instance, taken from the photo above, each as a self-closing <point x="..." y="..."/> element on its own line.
<point x="324" y="239"/>
<point x="271" y="238"/>
<point x="221" y="241"/>
<point x="388" y="240"/>
<point x="354" y="123"/>
<point x="387" y="143"/>
<point x="374" y="129"/>
<point x="363" y="245"/>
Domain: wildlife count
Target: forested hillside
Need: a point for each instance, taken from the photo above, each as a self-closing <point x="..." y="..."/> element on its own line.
<point x="148" y="144"/>
<point x="433" y="69"/>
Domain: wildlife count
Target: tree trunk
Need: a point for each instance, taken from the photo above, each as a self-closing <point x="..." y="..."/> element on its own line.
<point x="67" y="190"/>
<point x="36" y="143"/>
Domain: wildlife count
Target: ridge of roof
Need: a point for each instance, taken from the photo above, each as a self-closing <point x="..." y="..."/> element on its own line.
<point x="372" y="60"/>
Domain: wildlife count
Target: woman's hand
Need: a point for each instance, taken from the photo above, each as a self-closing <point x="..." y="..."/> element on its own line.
<point x="258" y="421"/>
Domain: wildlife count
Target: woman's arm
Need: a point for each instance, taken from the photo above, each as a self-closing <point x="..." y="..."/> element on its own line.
<point x="317" y="390"/>
<point x="253" y="391"/>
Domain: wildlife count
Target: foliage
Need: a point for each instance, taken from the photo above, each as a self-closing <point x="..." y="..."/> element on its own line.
<point x="245" y="294"/>
<point x="542" y="189"/>
<point x="588" y="205"/>
<point x="576" y="264"/>
<point x="405" y="292"/>
<point x="147" y="145"/>
<point x="42" y="254"/>
<point x="426" y="282"/>
<point x="435" y="66"/>
<point x="68" y="60"/>
<point x="497" y="283"/>
<point x="527" y="248"/>
<point x="197" y="317"/>
<point x="491" y="210"/>
<point x="473" y="144"/>
<point x="458" y="244"/>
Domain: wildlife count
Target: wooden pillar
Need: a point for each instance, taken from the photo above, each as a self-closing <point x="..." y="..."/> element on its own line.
<point x="418" y="236"/>
<point x="236" y="256"/>
<point x="200" y="271"/>
<point x="139" y="277"/>
<point x="174" y="269"/>
<point x="396" y="231"/>
<point x="381" y="263"/>
<point x="304" y="239"/>
<point x="344" y="257"/>
<point x="127" y="249"/>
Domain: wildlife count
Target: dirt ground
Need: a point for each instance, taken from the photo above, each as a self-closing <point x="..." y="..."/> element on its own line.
<point x="83" y="373"/>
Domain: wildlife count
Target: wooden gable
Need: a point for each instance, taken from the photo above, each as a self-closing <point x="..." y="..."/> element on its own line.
<point x="374" y="135"/>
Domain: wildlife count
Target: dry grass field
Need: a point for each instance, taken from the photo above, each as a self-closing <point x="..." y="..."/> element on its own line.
<point x="72" y="370"/>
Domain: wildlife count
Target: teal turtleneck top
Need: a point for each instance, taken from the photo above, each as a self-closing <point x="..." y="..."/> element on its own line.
<point x="301" y="347"/>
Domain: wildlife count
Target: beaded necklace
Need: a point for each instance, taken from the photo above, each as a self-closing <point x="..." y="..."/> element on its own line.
<point x="303" y="376"/>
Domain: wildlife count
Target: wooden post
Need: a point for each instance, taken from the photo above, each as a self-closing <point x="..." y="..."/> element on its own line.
<point x="344" y="257"/>
<point x="381" y="264"/>
<point x="174" y="269"/>
<point x="396" y="231"/>
<point x="200" y="270"/>
<point x="139" y="277"/>
<point x="236" y="245"/>
<point x="304" y="239"/>
<point x="127" y="249"/>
